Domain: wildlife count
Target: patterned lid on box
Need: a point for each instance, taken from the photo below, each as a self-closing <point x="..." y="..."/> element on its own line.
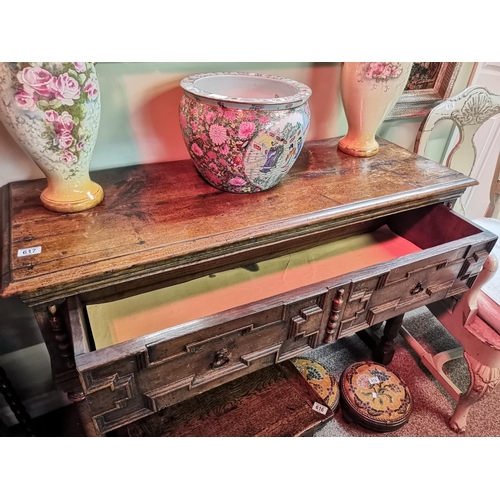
<point x="320" y="379"/>
<point x="375" y="394"/>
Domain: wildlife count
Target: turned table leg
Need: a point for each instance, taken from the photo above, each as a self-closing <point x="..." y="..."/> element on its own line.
<point x="483" y="379"/>
<point x="15" y="403"/>
<point x="384" y="351"/>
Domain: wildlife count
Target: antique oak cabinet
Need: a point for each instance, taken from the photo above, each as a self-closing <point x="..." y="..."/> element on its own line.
<point x="170" y="287"/>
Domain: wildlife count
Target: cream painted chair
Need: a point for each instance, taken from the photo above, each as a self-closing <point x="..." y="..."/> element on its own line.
<point x="474" y="318"/>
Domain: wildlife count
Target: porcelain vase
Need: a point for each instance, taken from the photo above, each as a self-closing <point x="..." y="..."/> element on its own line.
<point x="369" y="91"/>
<point x="243" y="131"/>
<point x="53" y="110"/>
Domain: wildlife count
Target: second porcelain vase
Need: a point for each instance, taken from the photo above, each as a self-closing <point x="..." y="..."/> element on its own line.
<point x="369" y="91"/>
<point x="53" y="110"/>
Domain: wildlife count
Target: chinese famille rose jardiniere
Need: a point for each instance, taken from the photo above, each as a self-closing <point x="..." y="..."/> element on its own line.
<point x="369" y="91"/>
<point x="53" y="112"/>
<point x="243" y="130"/>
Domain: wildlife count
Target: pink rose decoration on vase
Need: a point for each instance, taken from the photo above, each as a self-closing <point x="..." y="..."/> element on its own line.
<point x="91" y="88"/>
<point x="51" y="116"/>
<point x="68" y="157"/>
<point x="80" y="66"/>
<point x="383" y="70"/>
<point x="36" y="80"/>
<point x="65" y="140"/>
<point x="380" y="73"/>
<point x="66" y="89"/>
<point x="396" y="71"/>
<point x="25" y="100"/>
<point x="65" y="122"/>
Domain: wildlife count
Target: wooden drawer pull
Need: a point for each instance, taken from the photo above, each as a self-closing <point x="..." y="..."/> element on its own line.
<point x="417" y="288"/>
<point x="220" y="359"/>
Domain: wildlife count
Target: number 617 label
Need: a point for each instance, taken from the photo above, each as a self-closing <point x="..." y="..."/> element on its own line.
<point x="23" y="252"/>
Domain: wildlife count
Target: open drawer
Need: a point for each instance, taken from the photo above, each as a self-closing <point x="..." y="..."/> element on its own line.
<point x="138" y="355"/>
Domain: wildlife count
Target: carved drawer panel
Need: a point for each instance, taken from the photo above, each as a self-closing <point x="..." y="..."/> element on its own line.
<point x="134" y="378"/>
<point x="128" y="381"/>
<point x="410" y="286"/>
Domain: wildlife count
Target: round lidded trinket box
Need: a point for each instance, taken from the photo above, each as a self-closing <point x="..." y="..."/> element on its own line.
<point x="243" y="131"/>
<point x="320" y="379"/>
<point x="374" y="397"/>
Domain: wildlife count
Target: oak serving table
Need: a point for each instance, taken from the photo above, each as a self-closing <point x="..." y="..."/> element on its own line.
<point x="170" y="287"/>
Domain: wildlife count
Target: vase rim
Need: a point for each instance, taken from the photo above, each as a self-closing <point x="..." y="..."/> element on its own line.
<point x="287" y="92"/>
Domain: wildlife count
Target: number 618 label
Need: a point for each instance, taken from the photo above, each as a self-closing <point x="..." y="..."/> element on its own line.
<point x="23" y="252"/>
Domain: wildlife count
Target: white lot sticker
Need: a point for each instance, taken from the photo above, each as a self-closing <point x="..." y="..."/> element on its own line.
<point x="374" y="380"/>
<point x="320" y="408"/>
<point x="23" y="252"/>
<point x="374" y="394"/>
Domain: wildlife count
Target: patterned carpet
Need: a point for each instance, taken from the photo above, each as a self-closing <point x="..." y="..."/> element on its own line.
<point x="433" y="405"/>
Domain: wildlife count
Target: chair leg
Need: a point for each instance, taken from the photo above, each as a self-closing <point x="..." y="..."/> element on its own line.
<point x="483" y="379"/>
<point x="434" y="362"/>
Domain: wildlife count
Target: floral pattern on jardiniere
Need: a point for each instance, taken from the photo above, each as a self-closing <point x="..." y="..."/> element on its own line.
<point x="242" y="150"/>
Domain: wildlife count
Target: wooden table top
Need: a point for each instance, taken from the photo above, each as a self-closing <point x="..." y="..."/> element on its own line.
<point x="160" y="217"/>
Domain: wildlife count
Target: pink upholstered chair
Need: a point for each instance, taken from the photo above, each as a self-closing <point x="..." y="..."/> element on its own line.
<point x="474" y="318"/>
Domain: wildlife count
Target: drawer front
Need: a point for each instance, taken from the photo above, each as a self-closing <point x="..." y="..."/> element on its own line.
<point x="171" y="370"/>
<point x="128" y="381"/>
<point x="382" y="296"/>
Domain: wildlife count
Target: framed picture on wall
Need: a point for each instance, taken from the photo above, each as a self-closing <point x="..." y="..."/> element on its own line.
<point x="429" y="83"/>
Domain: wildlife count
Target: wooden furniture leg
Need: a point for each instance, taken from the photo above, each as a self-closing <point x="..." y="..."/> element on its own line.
<point x="483" y="379"/>
<point x="15" y="403"/>
<point x="78" y="399"/>
<point x="384" y="351"/>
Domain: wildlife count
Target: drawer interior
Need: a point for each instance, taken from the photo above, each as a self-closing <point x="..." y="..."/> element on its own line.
<point x="397" y="236"/>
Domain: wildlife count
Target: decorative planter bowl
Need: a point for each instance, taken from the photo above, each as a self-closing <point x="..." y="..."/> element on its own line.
<point x="243" y="130"/>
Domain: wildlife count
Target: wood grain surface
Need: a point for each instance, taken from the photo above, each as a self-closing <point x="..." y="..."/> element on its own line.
<point x="273" y="402"/>
<point x="161" y="218"/>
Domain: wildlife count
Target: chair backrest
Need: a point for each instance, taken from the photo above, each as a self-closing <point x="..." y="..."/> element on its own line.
<point x="468" y="110"/>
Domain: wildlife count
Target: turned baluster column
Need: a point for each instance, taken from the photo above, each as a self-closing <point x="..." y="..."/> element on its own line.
<point x="333" y="319"/>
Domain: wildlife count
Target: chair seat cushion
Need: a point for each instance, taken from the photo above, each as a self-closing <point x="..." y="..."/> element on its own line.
<point x="375" y="397"/>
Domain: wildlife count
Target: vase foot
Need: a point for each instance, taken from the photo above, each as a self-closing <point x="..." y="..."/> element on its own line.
<point x="74" y="202"/>
<point x="357" y="151"/>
